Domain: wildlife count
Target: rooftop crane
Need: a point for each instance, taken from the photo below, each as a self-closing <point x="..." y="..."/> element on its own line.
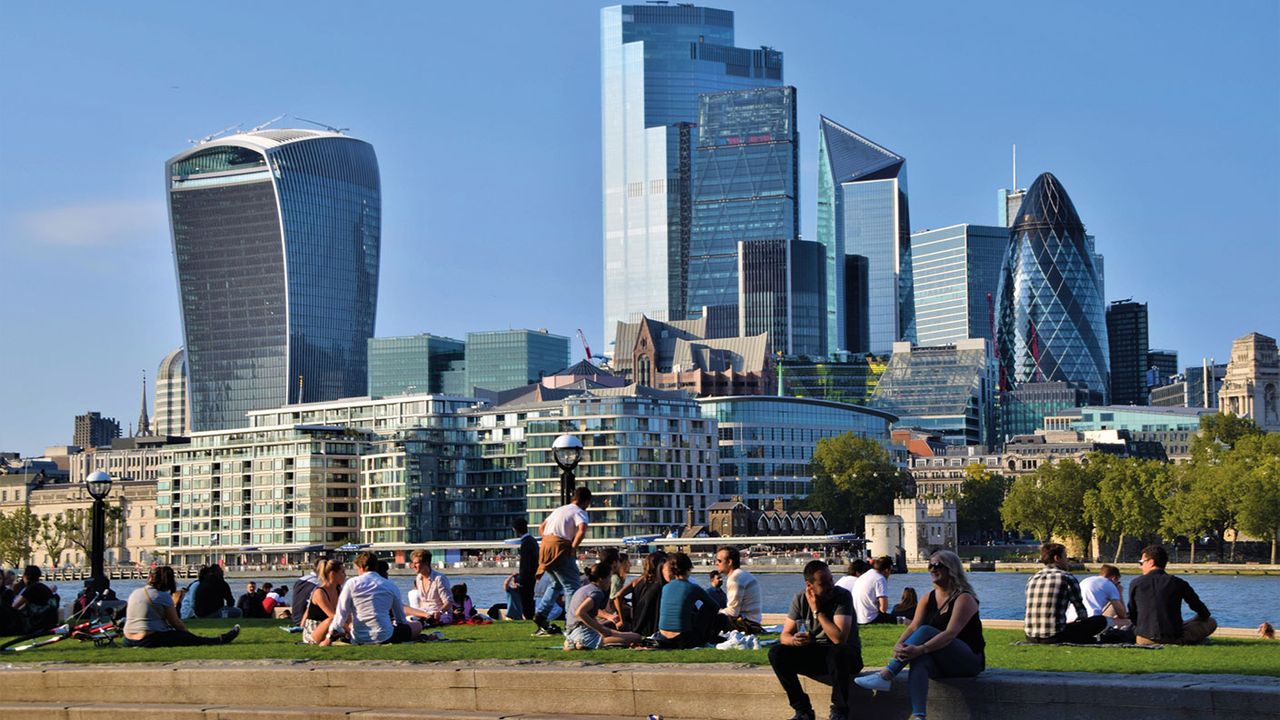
<point x="585" y="347"/>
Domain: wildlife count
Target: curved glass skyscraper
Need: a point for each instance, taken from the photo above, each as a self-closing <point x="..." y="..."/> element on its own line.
<point x="1052" y="325"/>
<point x="276" y="242"/>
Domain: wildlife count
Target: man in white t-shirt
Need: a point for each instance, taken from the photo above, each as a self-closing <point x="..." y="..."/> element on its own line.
<point x="1103" y="596"/>
<point x="871" y="593"/>
<point x="562" y="532"/>
<point x="857" y="568"/>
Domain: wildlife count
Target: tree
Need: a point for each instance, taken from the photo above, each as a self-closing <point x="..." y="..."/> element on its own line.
<point x="1256" y="460"/>
<point x="1125" y="501"/>
<point x="53" y="537"/>
<point x="853" y="477"/>
<point x="79" y="526"/>
<point x="1194" y="505"/>
<point x="1219" y="432"/>
<point x="1050" y="501"/>
<point x="18" y="533"/>
<point x="978" y="502"/>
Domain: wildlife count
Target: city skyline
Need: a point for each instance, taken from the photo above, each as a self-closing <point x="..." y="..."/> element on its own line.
<point x="98" y="237"/>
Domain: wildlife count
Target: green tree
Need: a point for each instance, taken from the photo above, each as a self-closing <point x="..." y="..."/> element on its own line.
<point x="1125" y="502"/>
<point x="1050" y="501"/>
<point x="53" y="537"/>
<point x="978" y="502"/>
<point x="853" y="477"/>
<point x="79" y="527"/>
<point x="1256" y="463"/>
<point x="1220" y="432"/>
<point x="18" y="533"/>
<point x="1195" y="504"/>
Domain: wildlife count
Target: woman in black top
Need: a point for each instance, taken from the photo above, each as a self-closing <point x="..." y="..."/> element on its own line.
<point x="943" y="640"/>
<point x="646" y="594"/>
<point x="324" y="601"/>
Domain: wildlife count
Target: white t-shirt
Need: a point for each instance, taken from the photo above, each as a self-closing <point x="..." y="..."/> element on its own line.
<point x="869" y="586"/>
<point x="1097" y="592"/>
<point x="847" y="582"/>
<point x="565" y="521"/>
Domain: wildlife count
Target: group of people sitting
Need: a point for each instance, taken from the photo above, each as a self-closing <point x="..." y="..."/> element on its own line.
<point x="27" y="605"/>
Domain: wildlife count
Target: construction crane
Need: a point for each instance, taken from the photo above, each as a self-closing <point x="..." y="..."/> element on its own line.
<point x="585" y="347"/>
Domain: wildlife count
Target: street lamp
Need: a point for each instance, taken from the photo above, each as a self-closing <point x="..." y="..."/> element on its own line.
<point x="99" y="486"/>
<point x="567" y="451"/>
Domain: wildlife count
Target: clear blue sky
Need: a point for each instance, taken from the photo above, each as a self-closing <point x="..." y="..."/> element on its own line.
<point x="1162" y="119"/>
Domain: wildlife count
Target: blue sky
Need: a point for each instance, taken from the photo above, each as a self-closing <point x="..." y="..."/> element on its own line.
<point x="1162" y="120"/>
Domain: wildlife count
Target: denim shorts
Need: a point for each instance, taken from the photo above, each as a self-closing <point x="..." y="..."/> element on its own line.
<point x="582" y="637"/>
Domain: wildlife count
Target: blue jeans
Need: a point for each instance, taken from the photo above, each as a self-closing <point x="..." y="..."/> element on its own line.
<point x="564" y="580"/>
<point x="957" y="659"/>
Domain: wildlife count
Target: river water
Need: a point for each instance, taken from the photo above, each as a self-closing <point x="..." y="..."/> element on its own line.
<point x="1234" y="600"/>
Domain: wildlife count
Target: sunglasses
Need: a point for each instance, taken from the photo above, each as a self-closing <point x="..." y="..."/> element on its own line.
<point x="937" y="567"/>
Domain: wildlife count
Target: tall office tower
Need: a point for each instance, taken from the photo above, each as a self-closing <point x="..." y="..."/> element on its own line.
<point x="655" y="62"/>
<point x="170" y="416"/>
<point x="956" y="271"/>
<point x="1127" y="338"/>
<point x="745" y="210"/>
<point x="862" y="210"/>
<point x="411" y="364"/>
<point x="1050" y="312"/>
<point x="808" y="299"/>
<point x="506" y="359"/>
<point x="1008" y="201"/>
<point x="276" y="243"/>
<point x="92" y="430"/>
<point x="1161" y="365"/>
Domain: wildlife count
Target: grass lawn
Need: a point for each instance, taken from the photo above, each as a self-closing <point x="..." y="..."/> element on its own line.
<point x="261" y="640"/>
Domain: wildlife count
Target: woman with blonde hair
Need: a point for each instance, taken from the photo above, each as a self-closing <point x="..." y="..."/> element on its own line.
<point x="324" y="601"/>
<point x="944" y="639"/>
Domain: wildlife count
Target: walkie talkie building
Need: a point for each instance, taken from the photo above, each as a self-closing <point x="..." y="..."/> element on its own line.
<point x="276" y="242"/>
<point x="1052" y="325"/>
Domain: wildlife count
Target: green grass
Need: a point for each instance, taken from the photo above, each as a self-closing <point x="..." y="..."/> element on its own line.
<point x="261" y="640"/>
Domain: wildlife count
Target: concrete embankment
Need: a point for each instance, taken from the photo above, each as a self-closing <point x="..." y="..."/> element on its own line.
<point x="489" y="690"/>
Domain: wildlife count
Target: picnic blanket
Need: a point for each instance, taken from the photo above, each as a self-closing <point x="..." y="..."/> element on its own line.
<point x="1131" y="646"/>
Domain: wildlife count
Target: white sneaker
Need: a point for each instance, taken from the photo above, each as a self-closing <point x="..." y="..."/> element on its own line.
<point x="873" y="682"/>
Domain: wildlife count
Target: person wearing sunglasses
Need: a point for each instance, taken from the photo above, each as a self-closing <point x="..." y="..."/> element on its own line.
<point x="944" y="638"/>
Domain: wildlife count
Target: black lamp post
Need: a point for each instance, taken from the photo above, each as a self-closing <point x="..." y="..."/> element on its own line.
<point x="99" y="486"/>
<point x="567" y="451"/>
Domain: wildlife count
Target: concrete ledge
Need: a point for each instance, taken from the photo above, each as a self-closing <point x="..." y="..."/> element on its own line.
<point x="491" y="690"/>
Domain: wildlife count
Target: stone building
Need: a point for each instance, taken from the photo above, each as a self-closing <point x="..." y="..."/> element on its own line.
<point x="680" y="355"/>
<point x="1251" y="388"/>
<point x="133" y="543"/>
<point x="917" y="528"/>
<point x="733" y="518"/>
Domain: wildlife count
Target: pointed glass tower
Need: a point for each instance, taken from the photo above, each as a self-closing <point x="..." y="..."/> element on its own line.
<point x="862" y="213"/>
<point x="1052" y="325"/>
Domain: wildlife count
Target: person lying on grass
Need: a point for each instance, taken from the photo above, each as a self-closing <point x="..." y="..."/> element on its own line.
<point x="584" y="631"/>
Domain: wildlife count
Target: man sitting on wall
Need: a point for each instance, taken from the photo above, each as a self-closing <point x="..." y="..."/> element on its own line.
<point x="820" y="638"/>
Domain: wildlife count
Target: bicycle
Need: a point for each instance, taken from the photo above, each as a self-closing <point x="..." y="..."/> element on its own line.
<point x="102" y="630"/>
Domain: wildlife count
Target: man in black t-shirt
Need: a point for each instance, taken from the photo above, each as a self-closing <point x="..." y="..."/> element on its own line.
<point x="525" y="575"/>
<point x="37" y="605"/>
<point x="213" y="598"/>
<point x="1155" y="605"/>
<point x="250" y="603"/>
<point x="819" y="640"/>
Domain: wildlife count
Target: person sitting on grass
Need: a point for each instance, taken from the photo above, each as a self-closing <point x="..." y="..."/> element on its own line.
<point x="1104" y="597"/>
<point x="250" y="603"/>
<point x="36" y="604"/>
<point x="857" y="568"/>
<point x="943" y="640"/>
<point x="618" y="604"/>
<point x="583" y="631"/>
<point x="686" y="615"/>
<point x="152" y="618"/>
<point x="819" y="638"/>
<point x="273" y="599"/>
<point x="715" y="588"/>
<point x="646" y="594"/>
<point x="463" y="609"/>
<point x="743" y="608"/>
<point x="1155" y="605"/>
<point x="370" y="607"/>
<point x="871" y="593"/>
<point x="431" y="598"/>
<point x="1049" y="592"/>
<point x="906" y="607"/>
<point x="213" y="599"/>
<point x="323" y="604"/>
<point x="1267" y="631"/>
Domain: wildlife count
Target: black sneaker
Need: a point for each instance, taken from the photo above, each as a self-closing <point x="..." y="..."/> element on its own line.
<point x="230" y="635"/>
<point x="838" y="713"/>
<point x="803" y="715"/>
<point x="541" y="632"/>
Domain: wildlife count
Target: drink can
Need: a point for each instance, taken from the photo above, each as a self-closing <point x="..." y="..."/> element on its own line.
<point x="655" y="717"/>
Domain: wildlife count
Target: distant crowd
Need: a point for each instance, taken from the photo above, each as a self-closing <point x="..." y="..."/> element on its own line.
<point x="661" y="607"/>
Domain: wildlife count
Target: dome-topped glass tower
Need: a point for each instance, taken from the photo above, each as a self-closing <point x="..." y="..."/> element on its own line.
<point x="1052" y="324"/>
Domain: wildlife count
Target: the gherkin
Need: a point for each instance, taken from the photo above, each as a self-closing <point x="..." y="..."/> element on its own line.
<point x="1052" y="324"/>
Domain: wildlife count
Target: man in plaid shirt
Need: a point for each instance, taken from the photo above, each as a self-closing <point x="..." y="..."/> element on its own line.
<point x="1049" y="592"/>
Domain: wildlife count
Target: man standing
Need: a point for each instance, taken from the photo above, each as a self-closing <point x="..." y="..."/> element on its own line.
<point x="562" y="532"/>
<point x="526" y="576"/>
<point x="1155" y="605"/>
<point x="741" y="588"/>
<point x="820" y="638"/>
<point x="1049" y="592"/>
<point x="371" y="604"/>
<point x="871" y="593"/>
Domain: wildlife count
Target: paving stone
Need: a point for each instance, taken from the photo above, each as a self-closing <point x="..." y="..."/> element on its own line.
<point x="112" y="711"/>
<point x="33" y="711"/>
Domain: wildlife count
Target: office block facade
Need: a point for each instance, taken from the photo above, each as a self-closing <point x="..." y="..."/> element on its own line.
<point x="276" y="244"/>
<point x="852" y="380"/>
<point x="1162" y="365"/>
<point x="745" y="210"/>
<point x="1050" y="313"/>
<point x="862" y="210"/>
<point x="411" y="364"/>
<point x="766" y="444"/>
<point x="956" y="271"/>
<point x="947" y="389"/>
<point x="505" y="359"/>
<point x="656" y="60"/>
<point x="93" y="430"/>
<point x="1128" y="342"/>
<point x="1023" y="409"/>
<point x="171" y="414"/>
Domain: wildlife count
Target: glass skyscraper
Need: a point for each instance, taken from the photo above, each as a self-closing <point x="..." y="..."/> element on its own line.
<point x="276" y="244"/>
<point x="1050" y="323"/>
<point x="949" y="389"/>
<point x="956" y="272"/>
<point x="1128" y="344"/>
<point x="655" y="62"/>
<point x="862" y="211"/>
<point x="411" y="364"/>
<point x="745" y="210"/>
<point x="506" y="359"/>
